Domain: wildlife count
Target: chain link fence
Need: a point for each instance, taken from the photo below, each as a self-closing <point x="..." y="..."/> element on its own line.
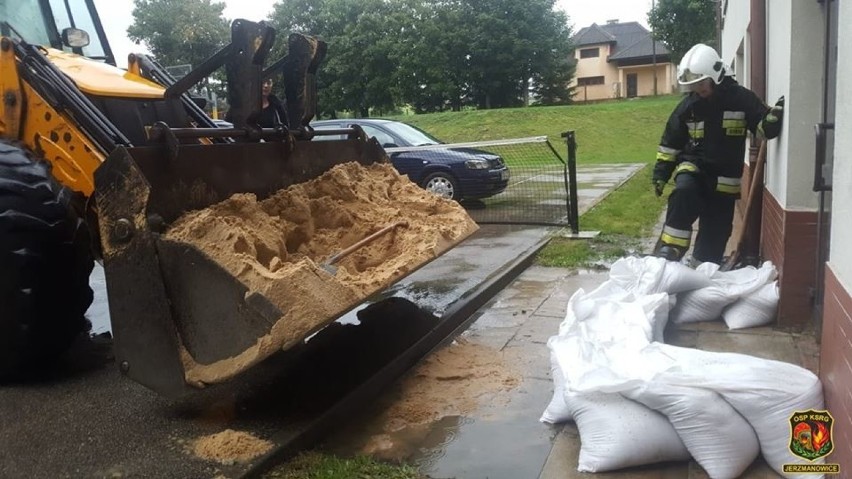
<point x="515" y="181"/>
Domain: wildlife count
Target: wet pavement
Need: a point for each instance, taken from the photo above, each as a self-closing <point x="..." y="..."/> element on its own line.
<point x="504" y="438"/>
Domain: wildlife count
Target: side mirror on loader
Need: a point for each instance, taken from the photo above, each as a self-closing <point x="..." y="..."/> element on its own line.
<point x="75" y="38"/>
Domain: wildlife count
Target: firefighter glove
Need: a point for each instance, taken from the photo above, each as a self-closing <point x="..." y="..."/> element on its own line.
<point x="770" y="126"/>
<point x="776" y="113"/>
<point x="663" y="171"/>
<point x="658" y="187"/>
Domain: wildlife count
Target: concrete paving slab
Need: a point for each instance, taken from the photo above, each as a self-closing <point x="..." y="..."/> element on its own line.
<point x="539" y="328"/>
<point x="778" y="347"/>
<point x="582" y="235"/>
<point x="496" y="338"/>
<point x="563" y="460"/>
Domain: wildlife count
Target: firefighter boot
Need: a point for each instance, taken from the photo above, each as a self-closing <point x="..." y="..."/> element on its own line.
<point x="667" y="251"/>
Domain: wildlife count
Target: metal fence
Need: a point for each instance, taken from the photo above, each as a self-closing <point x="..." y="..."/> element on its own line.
<point x="515" y="181"/>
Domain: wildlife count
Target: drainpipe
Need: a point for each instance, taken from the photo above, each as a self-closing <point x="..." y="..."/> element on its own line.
<point x="757" y="36"/>
<point x="757" y="78"/>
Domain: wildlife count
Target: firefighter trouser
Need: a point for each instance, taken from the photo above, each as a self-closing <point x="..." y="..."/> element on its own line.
<point x="696" y="197"/>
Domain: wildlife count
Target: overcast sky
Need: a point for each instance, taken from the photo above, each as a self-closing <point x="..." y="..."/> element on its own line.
<point x="117" y="16"/>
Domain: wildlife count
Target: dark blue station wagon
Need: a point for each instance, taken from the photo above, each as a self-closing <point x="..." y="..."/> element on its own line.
<point x="453" y="173"/>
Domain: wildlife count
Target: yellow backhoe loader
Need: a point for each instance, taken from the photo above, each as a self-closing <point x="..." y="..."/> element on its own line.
<point x="96" y="162"/>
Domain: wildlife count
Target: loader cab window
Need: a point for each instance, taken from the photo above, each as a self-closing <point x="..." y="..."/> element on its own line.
<point x="40" y="22"/>
<point x="27" y="18"/>
<point x="76" y="14"/>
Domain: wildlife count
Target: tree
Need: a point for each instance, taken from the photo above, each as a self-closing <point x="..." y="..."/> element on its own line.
<point x="680" y="24"/>
<point x="180" y="32"/>
<point x="433" y="57"/>
<point x="357" y="73"/>
<point x="433" y="54"/>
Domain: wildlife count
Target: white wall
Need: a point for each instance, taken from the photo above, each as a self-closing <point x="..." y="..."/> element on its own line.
<point x="737" y="17"/>
<point x="841" y="206"/>
<point x="794" y="66"/>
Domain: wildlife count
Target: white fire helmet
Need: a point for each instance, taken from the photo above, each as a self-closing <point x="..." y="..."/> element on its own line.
<point x="700" y="62"/>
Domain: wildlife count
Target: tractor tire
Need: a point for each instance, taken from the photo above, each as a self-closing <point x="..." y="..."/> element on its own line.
<point x="45" y="263"/>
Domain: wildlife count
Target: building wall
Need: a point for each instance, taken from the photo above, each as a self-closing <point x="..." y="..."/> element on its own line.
<point x="736" y="18"/>
<point x="789" y="241"/>
<point x="645" y="79"/>
<point x="794" y="66"/>
<point x="835" y="370"/>
<point x="615" y="79"/>
<point x="789" y="229"/>
<point x="592" y="67"/>
<point x="841" y="207"/>
<point x="836" y="346"/>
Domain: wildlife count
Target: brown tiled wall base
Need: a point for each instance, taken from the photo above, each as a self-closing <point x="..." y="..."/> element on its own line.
<point x="836" y="367"/>
<point x="788" y="239"/>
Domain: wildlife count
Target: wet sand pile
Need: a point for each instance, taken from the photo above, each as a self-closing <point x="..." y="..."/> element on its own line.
<point x="276" y="247"/>
<point x="453" y="381"/>
<point x="230" y="446"/>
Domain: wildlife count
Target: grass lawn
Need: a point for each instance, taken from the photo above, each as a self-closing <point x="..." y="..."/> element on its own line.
<point x="619" y="131"/>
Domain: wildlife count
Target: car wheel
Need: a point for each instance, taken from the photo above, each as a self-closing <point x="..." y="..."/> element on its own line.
<point x="443" y="185"/>
<point x="45" y="262"/>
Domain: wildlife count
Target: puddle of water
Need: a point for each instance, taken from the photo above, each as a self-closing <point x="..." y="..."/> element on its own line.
<point x="498" y="441"/>
<point x="504" y="448"/>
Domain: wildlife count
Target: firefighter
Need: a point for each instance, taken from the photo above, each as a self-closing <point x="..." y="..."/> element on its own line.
<point x="703" y="146"/>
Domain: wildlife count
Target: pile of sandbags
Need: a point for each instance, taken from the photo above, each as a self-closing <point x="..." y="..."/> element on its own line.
<point x="744" y="298"/>
<point x="638" y="401"/>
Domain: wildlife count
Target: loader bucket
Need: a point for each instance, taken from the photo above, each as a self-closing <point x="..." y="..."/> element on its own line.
<point x="181" y="317"/>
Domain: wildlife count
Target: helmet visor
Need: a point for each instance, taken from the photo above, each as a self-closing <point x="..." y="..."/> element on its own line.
<point x="688" y="77"/>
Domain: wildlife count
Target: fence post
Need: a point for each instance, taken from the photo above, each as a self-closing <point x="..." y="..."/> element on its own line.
<point x="573" y="214"/>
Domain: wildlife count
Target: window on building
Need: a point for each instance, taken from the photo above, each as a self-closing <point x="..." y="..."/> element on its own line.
<point x="590" y="52"/>
<point x="585" y="81"/>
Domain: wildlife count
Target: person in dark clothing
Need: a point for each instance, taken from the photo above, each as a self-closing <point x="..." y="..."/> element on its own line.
<point x="273" y="113"/>
<point x="703" y="147"/>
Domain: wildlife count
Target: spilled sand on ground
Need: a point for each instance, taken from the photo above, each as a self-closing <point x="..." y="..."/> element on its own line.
<point x="456" y="380"/>
<point x="277" y="246"/>
<point x="230" y="446"/>
<point x="453" y="381"/>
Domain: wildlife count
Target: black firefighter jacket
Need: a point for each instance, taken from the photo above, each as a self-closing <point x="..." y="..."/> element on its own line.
<point x="709" y="134"/>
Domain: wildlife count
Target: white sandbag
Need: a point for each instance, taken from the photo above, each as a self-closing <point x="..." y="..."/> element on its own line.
<point x="597" y="333"/>
<point x="763" y="391"/>
<point x="753" y="310"/>
<point x="707" y="269"/>
<point x="678" y="277"/>
<point x="638" y="275"/>
<point x="617" y="318"/>
<point x="651" y="275"/>
<point x="705" y="304"/>
<point x="744" y="281"/>
<point x="556" y="411"/>
<point x="716" y="435"/>
<point x="616" y="432"/>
